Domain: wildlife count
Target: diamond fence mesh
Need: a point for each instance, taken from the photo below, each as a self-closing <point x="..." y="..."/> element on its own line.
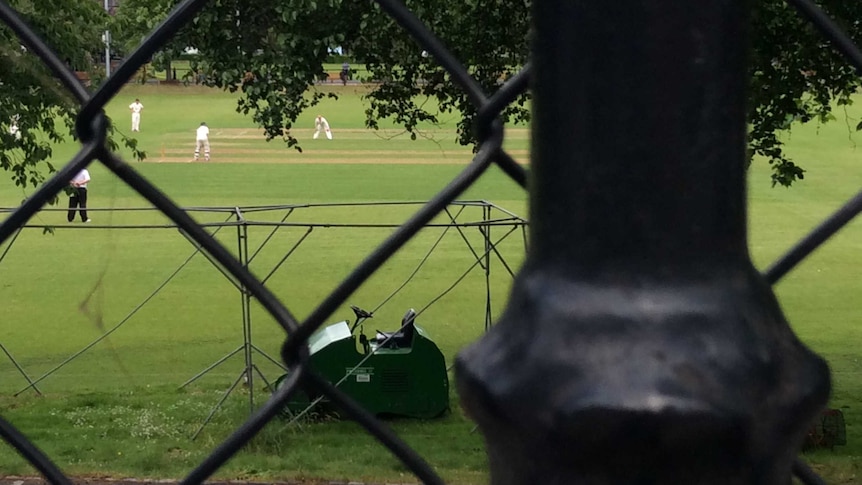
<point x="91" y="131"/>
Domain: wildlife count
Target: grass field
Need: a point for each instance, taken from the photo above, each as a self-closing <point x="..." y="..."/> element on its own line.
<point x="116" y="410"/>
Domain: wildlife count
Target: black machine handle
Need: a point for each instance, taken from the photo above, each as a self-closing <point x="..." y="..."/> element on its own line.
<point x="361" y="315"/>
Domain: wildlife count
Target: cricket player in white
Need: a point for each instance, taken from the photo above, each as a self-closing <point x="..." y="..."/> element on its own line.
<point x="13" y="127"/>
<point x="202" y="141"/>
<point x="320" y="123"/>
<point x="136" y="109"/>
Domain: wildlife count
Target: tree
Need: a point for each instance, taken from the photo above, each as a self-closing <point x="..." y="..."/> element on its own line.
<point x="131" y="24"/>
<point x="31" y="98"/>
<point x="796" y="75"/>
<point x="268" y="52"/>
<point x="271" y="53"/>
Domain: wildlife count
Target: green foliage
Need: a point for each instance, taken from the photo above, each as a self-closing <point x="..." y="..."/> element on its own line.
<point x="268" y="52"/>
<point x="133" y="22"/>
<point x="273" y="52"/>
<point x="489" y="38"/>
<point x="796" y="76"/>
<point x="32" y="100"/>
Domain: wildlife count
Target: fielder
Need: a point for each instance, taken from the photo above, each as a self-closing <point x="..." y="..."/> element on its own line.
<point x="136" y="109"/>
<point x="13" y="128"/>
<point x="320" y="123"/>
<point x="202" y="140"/>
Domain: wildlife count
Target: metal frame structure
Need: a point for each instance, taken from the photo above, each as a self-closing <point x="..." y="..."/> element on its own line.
<point x="20" y="369"/>
<point x="276" y="218"/>
<point x="711" y="451"/>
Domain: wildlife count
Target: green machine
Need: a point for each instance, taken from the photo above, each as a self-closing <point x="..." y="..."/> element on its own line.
<point x="400" y="373"/>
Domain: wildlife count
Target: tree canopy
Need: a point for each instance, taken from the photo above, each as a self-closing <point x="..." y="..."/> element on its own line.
<point x="271" y="53"/>
<point x="796" y="75"/>
<point x="35" y="110"/>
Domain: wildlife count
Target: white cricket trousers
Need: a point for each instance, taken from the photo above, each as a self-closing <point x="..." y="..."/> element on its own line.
<point x="205" y="145"/>
<point x="136" y="121"/>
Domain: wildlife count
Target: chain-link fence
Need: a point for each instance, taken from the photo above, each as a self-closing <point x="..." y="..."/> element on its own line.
<point x="552" y="17"/>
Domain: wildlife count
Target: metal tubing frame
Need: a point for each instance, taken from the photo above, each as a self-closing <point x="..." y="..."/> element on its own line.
<point x="20" y="369"/>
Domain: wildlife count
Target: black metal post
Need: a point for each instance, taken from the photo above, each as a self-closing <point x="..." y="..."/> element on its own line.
<point x="640" y="345"/>
<point x="245" y="294"/>
<point x="486" y="233"/>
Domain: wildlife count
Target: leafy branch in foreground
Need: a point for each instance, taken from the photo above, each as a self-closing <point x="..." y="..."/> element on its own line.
<point x="271" y="54"/>
<point x="35" y="111"/>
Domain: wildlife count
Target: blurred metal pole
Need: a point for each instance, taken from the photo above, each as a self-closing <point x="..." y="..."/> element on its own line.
<point x="640" y="345"/>
<point x="107" y="44"/>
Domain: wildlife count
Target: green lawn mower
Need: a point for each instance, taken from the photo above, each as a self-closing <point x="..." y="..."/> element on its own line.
<point x="400" y="373"/>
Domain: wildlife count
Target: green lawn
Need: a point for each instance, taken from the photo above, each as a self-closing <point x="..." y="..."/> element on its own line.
<point x="172" y="113"/>
<point x="124" y="390"/>
<point x="116" y="410"/>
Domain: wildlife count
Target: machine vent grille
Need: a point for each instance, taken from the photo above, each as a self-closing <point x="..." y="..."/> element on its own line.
<point x="395" y="381"/>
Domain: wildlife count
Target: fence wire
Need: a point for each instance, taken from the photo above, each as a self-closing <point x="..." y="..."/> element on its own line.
<point x="91" y="128"/>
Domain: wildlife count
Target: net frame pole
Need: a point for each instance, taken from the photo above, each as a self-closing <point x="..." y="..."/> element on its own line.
<point x="20" y="369"/>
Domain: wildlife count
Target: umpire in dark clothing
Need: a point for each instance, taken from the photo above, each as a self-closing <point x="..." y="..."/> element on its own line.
<point x="78" y="199"/>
